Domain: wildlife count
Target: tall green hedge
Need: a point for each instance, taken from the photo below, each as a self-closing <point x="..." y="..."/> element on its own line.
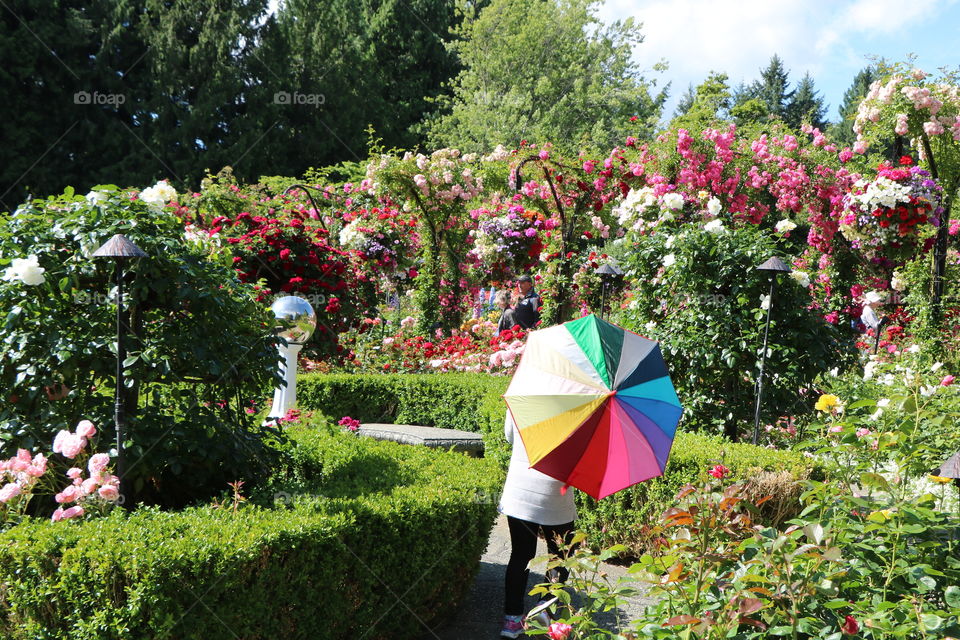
<point x="469" y="402"/>
<point x="355" y="538"/>
<point x="473" y="402"/>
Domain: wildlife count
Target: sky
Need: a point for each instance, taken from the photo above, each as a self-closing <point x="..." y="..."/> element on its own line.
<point x="830" y="39"/>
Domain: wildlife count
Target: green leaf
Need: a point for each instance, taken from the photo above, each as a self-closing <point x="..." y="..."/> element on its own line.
<point x="871" y="479"/>
<point x="931" y="621"/>
<point x="951" y="596"/>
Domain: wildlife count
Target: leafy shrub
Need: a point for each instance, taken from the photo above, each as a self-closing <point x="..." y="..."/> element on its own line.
<point x="699" y="293"/>
<point x="363" y="539"/>
<point x="200" y="344"/>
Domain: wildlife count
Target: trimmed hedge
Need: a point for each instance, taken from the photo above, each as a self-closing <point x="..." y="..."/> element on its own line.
<point x="356" y="538"/>
<point x="464" y="401"/>
<point x="473" y="402"/>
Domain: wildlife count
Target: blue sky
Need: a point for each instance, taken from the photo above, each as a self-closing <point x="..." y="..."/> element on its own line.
<point x="829" y="38"/>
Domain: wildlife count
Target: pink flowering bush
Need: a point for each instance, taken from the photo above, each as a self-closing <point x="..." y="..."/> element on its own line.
<point x="91" y="489"/>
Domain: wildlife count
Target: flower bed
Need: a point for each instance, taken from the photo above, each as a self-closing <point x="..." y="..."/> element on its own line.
<point x="329" y="550"/>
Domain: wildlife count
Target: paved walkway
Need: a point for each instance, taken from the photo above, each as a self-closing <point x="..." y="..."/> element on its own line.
<point x="479" y="616"/>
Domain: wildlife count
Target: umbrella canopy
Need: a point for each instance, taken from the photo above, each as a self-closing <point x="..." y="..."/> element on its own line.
<point x="594" y="405"/>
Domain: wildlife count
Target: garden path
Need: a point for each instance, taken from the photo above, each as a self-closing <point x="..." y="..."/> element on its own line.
<point x="478" y="618"/>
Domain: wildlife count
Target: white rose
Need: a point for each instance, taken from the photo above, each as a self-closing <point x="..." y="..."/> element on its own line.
<point x="765" y="301"/>
<point x="669" y="260"/>
<point x="785" y="225"/>
<point x="672" y="201"/>
<point x="897" y="283"/>
<point x="935" y="367"/>
<point x="802" y="277"/>
<point x="159" y="194"/>
<point x="26" y="270"/>
<point x="97" y="197"/>
<point x="714" y="226"/>
<point x="713" y="206"/>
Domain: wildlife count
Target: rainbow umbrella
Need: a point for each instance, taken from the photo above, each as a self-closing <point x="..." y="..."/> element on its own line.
<point x="594" y="405"/>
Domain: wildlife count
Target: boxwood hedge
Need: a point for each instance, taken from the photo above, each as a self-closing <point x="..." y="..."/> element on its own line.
<point x="473" y="402"/>
<point x="354" y="538"/>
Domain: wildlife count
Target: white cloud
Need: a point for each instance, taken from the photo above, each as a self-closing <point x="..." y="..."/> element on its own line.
<point x="828" y="39"/>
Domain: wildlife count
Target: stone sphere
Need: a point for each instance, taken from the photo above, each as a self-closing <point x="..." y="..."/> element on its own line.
<point x="296" y="319"/>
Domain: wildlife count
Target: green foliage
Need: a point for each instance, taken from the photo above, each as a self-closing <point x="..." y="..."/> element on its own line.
<point x="628" y="517"/>
<point x="469" y="402"/>
<point x="705" y="308"/>
<point x="805" y="106"/>
<point x="174" y="90"/>
<point x="358" y="537"/>
<point x="709" y="103"/>
<point x="842" y="131"/>
<point x="199" y="346"/>
<point x="544" y="72"/>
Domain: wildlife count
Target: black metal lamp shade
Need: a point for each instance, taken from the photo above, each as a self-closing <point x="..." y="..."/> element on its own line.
<point x="775" y="264"/>
<point x="119" y="247"/>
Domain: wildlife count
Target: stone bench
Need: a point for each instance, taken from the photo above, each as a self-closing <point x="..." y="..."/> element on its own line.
<point x="450" y="439"/>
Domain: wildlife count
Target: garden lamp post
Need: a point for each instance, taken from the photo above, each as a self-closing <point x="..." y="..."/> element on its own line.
<point x="295" y="323"/>
<point x="773" y="266"/>
<point x="120" y="249"/>
<point x="609" y="274"/>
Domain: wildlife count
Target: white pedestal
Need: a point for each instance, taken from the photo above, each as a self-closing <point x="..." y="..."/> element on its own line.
<point x="285" y="397"/>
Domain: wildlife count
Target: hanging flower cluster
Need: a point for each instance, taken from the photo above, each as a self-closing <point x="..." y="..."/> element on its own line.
<point x="383" y="237"/>
<point x="887" y="209"/>
<point x="506" y="240"/>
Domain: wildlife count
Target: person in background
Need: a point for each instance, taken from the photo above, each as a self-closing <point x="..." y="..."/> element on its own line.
<point x="527" y="311"/>
<point x="502" y="302"/>
<point x="535" y="504"/>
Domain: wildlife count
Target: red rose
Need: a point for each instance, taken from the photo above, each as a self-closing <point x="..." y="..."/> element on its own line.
<point x="904" y="160"/>
<point x="850" y="626"/>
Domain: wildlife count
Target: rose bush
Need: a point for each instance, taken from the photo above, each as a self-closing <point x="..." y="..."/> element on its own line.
<point x="199" y="348"/>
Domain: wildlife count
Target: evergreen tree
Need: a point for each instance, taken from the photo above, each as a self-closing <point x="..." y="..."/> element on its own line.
<point x="685" y="102"/>
<point x="772" y="86"/>
<point x="842" y="131"/>
<point x="805" y="106"/>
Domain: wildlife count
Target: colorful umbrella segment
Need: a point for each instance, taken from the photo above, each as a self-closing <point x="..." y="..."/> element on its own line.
<point x="594" y="405"/>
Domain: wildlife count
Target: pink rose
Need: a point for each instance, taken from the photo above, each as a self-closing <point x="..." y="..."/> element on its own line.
<point x="72" y="445"/>
<point x="74" y="473"/>
<point x="559" y="631"/>
<point x="98" y="462"/>
<point x="58" y="440"/>
<point x="863" y="431"/>
<point x="109" y="492"/>
<point x="835" y="429"/>
<point x="72" y="512"/>
<point x="70" y="494"/>
<point x="719" y="471"/>
<point x="947" y="380"/>
<point x="89" y="486"/>
<point x="86" y="429"/>
<point x="9" y="492"/>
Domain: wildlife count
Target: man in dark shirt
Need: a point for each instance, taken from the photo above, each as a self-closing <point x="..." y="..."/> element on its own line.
<point x="527" y="311"/>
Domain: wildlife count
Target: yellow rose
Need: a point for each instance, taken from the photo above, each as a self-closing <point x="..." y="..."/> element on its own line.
<point x="826" y="402"/>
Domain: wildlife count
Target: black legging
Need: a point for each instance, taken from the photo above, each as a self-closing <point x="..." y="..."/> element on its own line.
<point x="523" y="547"/>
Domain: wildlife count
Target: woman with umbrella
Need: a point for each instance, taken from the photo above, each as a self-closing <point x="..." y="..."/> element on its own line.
<point x="534" y="504"/>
